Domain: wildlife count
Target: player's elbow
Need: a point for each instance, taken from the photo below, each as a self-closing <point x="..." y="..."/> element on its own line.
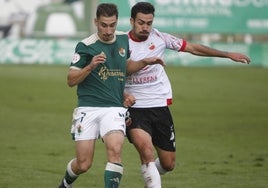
<point x="71" y="82"/>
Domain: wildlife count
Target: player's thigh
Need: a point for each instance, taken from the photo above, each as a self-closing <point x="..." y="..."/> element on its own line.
<point x="141" y="139"/>
<point x="114" y="143"/>
<point x="85" y="151"/>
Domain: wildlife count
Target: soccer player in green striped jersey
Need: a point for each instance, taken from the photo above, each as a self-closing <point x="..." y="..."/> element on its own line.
<point x="99" y="69"/>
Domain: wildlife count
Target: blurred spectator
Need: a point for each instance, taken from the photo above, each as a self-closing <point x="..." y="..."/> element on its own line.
<point x="5" y="23"/>
<point x="5" y="29"/>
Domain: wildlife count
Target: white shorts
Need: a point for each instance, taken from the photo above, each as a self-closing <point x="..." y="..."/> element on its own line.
<point x="90" y="123"/>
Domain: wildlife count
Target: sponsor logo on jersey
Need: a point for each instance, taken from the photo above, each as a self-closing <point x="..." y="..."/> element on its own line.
<point x="141" y="80"/>
<point x="105" y="73"/>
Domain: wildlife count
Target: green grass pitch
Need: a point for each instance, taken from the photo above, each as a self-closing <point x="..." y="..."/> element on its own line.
<point x="220" y="115"/>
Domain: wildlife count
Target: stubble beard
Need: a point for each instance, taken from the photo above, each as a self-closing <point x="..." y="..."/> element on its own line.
<point x="143" y="36"/>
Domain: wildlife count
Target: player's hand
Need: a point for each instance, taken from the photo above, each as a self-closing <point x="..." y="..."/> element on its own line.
<point x="129" y="100"/>
<point x="96" y="60"/>
<point x="239" y="57"/>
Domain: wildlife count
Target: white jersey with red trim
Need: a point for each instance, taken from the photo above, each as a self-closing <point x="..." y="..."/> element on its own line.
<point x="151" y="86"/>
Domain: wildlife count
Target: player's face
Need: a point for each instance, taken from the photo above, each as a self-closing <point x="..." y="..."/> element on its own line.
<point x="106" y="27"/>
<point x="141" y="26"/>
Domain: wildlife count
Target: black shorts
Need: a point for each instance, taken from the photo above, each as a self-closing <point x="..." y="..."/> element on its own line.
<point x="157" y="122"/>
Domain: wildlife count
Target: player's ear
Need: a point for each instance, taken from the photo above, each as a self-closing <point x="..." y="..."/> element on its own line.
<point x="96" y="22"/>
<point x="132" y="22"/>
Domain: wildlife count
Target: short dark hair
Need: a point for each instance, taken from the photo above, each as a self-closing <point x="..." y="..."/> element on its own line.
<point x="107" y="10"/>
<point x="142" y="7"/>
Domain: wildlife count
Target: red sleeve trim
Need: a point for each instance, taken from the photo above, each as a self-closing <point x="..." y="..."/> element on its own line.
<point x="184" y="42"/>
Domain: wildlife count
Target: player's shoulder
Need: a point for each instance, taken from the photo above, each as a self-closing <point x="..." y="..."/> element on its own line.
<point x="121" y="36"/>
<point x="90" y="40"/>
<point x="119" y="33"/>
<point x="156" y="32"/>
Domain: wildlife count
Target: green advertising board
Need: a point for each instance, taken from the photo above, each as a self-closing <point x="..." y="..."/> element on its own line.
<point x="50" y="51"/>
<point x="36" y="51"/>
<point x="202" y="16"/>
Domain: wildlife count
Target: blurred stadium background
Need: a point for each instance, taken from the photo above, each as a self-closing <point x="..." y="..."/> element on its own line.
<point x="220" y="113"/>
<point x="46" y="31"/>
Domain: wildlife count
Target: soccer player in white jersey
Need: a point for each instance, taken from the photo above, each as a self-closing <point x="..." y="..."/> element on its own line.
<point x="152" y="124"/>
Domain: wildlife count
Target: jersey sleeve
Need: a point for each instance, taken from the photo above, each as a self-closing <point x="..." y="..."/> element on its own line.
<point x="81" y="57"/>
<point x="172" y="42"/>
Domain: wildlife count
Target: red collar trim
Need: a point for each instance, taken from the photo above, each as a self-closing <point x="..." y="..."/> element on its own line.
<point x="132" y="38"/>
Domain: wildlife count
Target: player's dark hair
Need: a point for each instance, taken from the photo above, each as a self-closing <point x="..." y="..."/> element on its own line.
<point x="142" y="7"/>
<point x="107" y="10"/>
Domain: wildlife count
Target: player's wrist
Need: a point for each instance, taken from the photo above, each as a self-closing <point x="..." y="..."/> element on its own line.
<point x="145" y="62"/>
<point x="89" y="68"/>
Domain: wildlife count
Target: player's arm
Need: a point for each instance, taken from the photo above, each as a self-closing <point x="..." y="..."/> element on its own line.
<point x="77" y="75"/>
<point x="202" y="50"/>
<point x="135" y="66"/>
